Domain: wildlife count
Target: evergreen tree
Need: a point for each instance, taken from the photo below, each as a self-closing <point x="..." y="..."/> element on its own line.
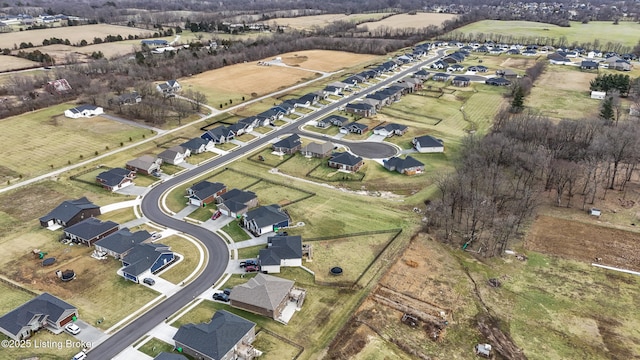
<point x="606" y="111"/>
<point x="517" y="104"/>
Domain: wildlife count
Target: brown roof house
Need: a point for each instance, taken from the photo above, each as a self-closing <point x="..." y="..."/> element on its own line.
<point x="268" y="296"/>
<point x="227" y="336"/>
<point x="145" y="164"/>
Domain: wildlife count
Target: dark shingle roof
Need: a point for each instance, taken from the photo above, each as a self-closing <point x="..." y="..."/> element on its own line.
<point x="266" y="215"/>
<point x="113" y="177"/>
<point x="204" y="189"/>
<point x="68" y="209"/>
<point x="169" y="356"/>
<point x="123" y="240"/>
<point x="239" y="196"/>
<point x="359" y="106"/>
<point x="44" y="304"/>
<point x="346" y="158"/>
<point x="428" y="141"/>
<point x="90" y="228"/>
<point x="288" y="142"/>
<point x="217" y="337"/>
<point x="263" y="291"/>
<point x="194" y="144"/>
<point x="398" y="164"/>
<point x="81" y="108"/>
<point x="142" y="257"/>
<point x="393" y="127"/>
<point x="281" y="247"/>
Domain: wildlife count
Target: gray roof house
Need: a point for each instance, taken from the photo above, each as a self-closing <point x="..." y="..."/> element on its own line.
<point x="70" y="212"/>
<point x="116" y="178"/>
<point x="226" y="336"/>
<point x="205" y="192"/>
<point x="236" y="202"/>
<point x="174" y="155"/>
<point x="428" y="144"/>
<point x="145" y="164"/>
<point x="288" y="145"/>
<point x="43" y="311"/>
<point x="90" y="230"/>
<point x="169" y="356"/>
<point x="408" y="165"/>
<point x="332" y="120"/>
<point x="317" y="150"/>
<point x="390" y="130"/>
<point x="263" y="295"/>
<point x="198" y="145"/>
<point x="346" y="161"/>
<point x="265" y="219"/>
<point x="280" y="251"/>
<point x="120" y="243"/>
<point x="146" y="259"/>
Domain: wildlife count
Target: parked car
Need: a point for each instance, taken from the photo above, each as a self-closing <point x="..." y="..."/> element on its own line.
<point x="80" y="356"/>
<point x="72" y="329"/>
<point x="156" y="235"/>
<point x="221" y="297"/>
<point x="252" y="268"/>
<point x="248" y="262"/>
<point x="149" y="281"/>
<point x="227" y="291"/>
<point x="216" y="215"/>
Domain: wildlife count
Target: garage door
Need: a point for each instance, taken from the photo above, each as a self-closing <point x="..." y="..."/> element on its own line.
<point x="67" y="320"/>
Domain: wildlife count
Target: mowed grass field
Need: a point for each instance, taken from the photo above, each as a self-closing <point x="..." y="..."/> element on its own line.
<point x="400" y="21"/>
<point x="56" y="140"/>
<point x="308" y="22"/>
<point x="626" y="32"/>
<point x="8" y="63"/>
<point x="325" y="60"/>
<point x="75" y="34"/>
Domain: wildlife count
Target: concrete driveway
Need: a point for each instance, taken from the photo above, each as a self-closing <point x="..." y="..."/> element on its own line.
<point x="132" y="190"/>
<point x="89" y="334"/>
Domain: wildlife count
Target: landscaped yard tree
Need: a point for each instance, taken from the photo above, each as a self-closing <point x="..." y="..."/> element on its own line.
<point x="606" y="109"/>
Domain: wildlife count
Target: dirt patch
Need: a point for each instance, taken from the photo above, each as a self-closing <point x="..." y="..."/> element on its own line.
<point x="501" y="342"/>
<point x="585" y="242"/>
<point x="566" y="79"/>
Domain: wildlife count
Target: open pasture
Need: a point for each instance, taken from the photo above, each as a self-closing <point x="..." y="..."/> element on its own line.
<point x="401" y="21"/>
<point x="56" y="141"/>
<point x="325" y="60"/>
<point x="308" y="22"/>
<point x="603" y="31"/>
<point x="8" y="63"/>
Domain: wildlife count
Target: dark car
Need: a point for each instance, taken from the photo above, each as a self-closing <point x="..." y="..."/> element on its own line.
<point x="149" y="281"/>
<point x="248" y="262"/>
<point x="252" y="268"/>
<point x="227" y="291"/>
<point x="221" y="297"/>
<point x="216" y="215"/>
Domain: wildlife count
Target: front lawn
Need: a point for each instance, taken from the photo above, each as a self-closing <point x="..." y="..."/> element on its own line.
<point x="234" y="230"/>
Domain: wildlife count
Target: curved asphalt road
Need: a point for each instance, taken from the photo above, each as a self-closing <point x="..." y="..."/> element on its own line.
<point x="216" y="247"/>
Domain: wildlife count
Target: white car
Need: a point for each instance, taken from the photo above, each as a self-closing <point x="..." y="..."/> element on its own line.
<point x="72" y="329"/>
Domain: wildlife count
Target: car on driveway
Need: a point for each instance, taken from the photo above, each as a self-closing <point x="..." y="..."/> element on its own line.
<point x="149" y="281"/>
<point x="252" y="268"/>
<point x="216" y="215"/>
<point x="227" y="291"/>
<point x="248" y="262"/>
<point x="221" y="297"/>
<point x="72" y="329"/>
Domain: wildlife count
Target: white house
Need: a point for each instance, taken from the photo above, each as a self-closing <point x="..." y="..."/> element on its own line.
<point x="280" y="251"/>
<point x="174" y="155"/>
<point x="428" y="144"/>
<point x="86" y="111"/>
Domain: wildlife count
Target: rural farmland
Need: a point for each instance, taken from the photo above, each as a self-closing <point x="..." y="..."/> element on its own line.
<point x="401" y="21"/>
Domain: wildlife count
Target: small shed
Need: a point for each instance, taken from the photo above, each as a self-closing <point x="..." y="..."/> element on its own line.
<point x="595" y="212"/>
<point x="483" y="350"/>
<point x="598" y="95"/>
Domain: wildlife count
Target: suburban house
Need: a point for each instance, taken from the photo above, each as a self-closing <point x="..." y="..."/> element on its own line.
<point x="355" y="128"/>
<point x="120" y="243"/>
<point x="145" y="164"/>
<point x="265" y="219"/>
<point x="236" y="202"/>
<point x="288" y="145"/>
<point x="455" y="67"/>
<point x="497" y="81"/>
<point x="478" y="68"/>
<point x="461" y="81"/>
<point x="86" y="111"/>
<point x="412" y="84"/>
<point x="227" y="336"/>
<point x="332" y="120"/>
<point x="198" y="145"/>
<point x="239" y="128"/>
<point x="360" y="109"/>
<point x="408" y="165"/>
<point x="90" y="230"/>
<point x="331" y="90"/>
<point x="169" y="88"/>
<point x="618" y="63"/>
<point x="421" y="74"/>
<point x="70" y="212"/>
<point x="428" y="144"/>
<point x="59" y="86"/>
<point x="174" y="155"/>
<point x="280" y="251"/>
<point x="588" y="65"/>
<point x="145" y="259"/>
<point x="218" y="135"/>
<point x="169" y="356"/>
<point x="317" y="150"/>
<point x="507" y="73"/>
<point x="558" y="59"/>
<point x="270" y="116"/>
<point x="154" y="42"/>
<point x="44" y="311"/>
<point x="267" y="295"/>
<point x="390" y="129"/>
<point x="346" y="161"/>
<point x="116" y="178"/>
<point x="205" y="192"/>
<point x="442" y="77"/>
<point x="131" y="98"/>
<point x="439" y="65"/>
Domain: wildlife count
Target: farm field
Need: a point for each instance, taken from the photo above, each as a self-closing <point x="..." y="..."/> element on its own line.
<point x="400" y="21"/>
<point x="60" y="140"/>
<point x="75" y="34"/>
<point x="604" y="31"/>
<point x="325" y="60"/>
<point x="308" y="22"/>
<point x="8" y="63"/>
<point x="563" y="92"/>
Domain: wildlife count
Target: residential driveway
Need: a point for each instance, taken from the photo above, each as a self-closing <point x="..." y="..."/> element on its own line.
<point x="89" y="334"/>
<point x="164" y="332"/>
<point x="262" y="240"/>
<point x="408" y="151"/>
<point x="339" y="136"/>
<point x="133" y="223"/>
<point x="376" y="138"/>
<point x="186" y="165"/>
<point x="132" y="190"/>
<point x="185" y="212"/>
<point x="234" y="268"/>
<point x="217" y="224"/>
<point x="237" y="142"/>
<point x="130" y="354"/>
<point x="163" y="286"/>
